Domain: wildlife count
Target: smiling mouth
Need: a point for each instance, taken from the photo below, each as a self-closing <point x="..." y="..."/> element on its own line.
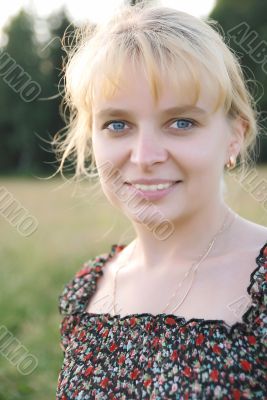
<point x="151" y="188"/>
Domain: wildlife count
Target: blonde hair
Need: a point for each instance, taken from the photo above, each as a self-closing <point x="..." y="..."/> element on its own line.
<point x="164" y="41"/>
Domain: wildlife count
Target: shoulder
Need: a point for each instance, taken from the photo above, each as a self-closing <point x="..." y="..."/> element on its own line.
<point x="249" y="235"/>
<point x="77" y="291"/>
<point x="256" y="236"/>
<point x="257" y="313"/>
<point x="260" y="231"/>
<point x="252" y="242"/>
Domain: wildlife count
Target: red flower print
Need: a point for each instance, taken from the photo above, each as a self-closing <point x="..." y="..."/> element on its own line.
<point x="104" y="383"/>
<point x="147" y="382"/>
<point x="82" y="272"/>
<point x="94" y="355"/>
<point x="258" y="320"/>
<point x="245" y="365"/>
<point x="231" y="379"/>
<point x="113" y="347"/>
<point x="79" y="350"/>
<point x="118" y="248"/>
<point x="89" y="371"/>
<point x="148" y="326"/>
<point x="132" y="321"/>
<point x="81" y="335"/>
<point x="236" y="394"/>
<point x="105" y="333"/>
<point x="121" y="359"/>
<point x="134" y="373"/>
<point x="216" y="349"/>
<point x="170" y="321"/>
<point x="187" y="372"/>
<point x="88" y="356"/>
<point x="251" y="339"/>
<point x="214" y="375"/>
<point x="174" y="355"/>
<point x="74" y="330"/>
<point x="99" y="326"/>
<point x="155" y="342"/>
<point x="200" y="339"/>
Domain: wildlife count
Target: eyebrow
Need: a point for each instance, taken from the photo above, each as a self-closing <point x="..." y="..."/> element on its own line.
<point x="114" y="112"/>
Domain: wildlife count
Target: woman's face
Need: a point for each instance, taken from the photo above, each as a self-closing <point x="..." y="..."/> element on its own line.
<point x="169" y="141"/>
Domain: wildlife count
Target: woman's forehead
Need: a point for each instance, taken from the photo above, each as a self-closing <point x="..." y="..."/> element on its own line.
<point x="176" y="90"/>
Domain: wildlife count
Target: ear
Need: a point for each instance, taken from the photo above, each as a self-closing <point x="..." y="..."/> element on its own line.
<point x="238" y="129"/>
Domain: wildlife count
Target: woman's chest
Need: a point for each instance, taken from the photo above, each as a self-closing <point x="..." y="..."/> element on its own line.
<point x="217" y="291"/>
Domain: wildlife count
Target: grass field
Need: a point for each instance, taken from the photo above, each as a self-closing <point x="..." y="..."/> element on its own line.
<point x="73" y="226"/>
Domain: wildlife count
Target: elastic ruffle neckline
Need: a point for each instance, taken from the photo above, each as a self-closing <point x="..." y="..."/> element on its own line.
<point x="84" y="285"/>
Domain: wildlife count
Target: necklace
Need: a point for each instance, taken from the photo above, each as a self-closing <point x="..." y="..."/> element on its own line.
<point x="193" y="267"/>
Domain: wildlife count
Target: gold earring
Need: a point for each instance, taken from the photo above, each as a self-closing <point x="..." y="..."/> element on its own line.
<point x="231" y="163"/>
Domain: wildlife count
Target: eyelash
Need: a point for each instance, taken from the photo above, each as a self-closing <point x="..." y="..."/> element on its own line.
<point x="105" y="126"/>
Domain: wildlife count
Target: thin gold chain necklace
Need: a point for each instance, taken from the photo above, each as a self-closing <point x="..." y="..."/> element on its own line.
<point x="193" y="267"/>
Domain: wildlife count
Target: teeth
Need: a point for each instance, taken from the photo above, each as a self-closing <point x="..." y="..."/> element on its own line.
<point x="153" y="187"/>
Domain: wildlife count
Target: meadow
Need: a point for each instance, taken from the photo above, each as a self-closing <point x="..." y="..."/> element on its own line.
<point x="75" y="223"/>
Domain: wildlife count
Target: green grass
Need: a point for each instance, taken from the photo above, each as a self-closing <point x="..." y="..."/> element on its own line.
<point x="72" y="227"/>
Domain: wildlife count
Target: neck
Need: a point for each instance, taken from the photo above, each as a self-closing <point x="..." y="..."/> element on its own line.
<point x="188" y="241"/>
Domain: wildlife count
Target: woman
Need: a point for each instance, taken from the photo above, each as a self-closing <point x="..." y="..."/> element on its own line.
<point x="160" y="105"/>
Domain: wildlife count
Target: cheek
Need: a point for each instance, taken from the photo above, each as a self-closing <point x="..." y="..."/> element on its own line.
<point x="202" y="165"/>
<point x="97" y="146"/>
<point x="204" y="154"/>
<point x="110" y="177"/>
<point x="195" y="158"/>
<point x="115" y="192"/>
<point x="106" y="150"/>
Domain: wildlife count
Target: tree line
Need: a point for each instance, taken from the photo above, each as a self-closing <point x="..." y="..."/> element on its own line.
<point x="31" y="80"/>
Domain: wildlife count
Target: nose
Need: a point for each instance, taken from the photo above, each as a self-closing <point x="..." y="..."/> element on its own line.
<point x="148" y="148"/>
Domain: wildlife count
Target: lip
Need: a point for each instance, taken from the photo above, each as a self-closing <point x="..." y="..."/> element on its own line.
<point x="153" y="194"/>
<point x="151" y="181"/>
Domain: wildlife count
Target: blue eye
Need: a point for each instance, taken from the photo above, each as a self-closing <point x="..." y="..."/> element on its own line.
<point x="117" y="125"/>
<point x="183" y="123"/>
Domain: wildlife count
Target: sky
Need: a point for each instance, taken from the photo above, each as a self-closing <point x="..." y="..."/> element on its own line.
<point x="98" y="10"/>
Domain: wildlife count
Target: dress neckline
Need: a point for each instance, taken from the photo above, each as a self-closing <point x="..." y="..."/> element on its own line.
<point x="170" y="319"/>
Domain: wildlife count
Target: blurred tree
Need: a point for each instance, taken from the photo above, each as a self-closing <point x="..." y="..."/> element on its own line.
<point x="244" y="27"/>
<point x="26" y="124"/>
<point x="52" y="60"/>
<point x="19" y="64"/>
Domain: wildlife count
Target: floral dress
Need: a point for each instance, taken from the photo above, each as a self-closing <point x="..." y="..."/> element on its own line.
<point x="145" y="356"/>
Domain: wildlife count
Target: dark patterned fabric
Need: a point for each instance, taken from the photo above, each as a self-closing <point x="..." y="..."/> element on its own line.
<point x="145" y="356"/>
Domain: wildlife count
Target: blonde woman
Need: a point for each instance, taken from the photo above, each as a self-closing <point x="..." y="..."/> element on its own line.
<point x="160" y="108"/>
